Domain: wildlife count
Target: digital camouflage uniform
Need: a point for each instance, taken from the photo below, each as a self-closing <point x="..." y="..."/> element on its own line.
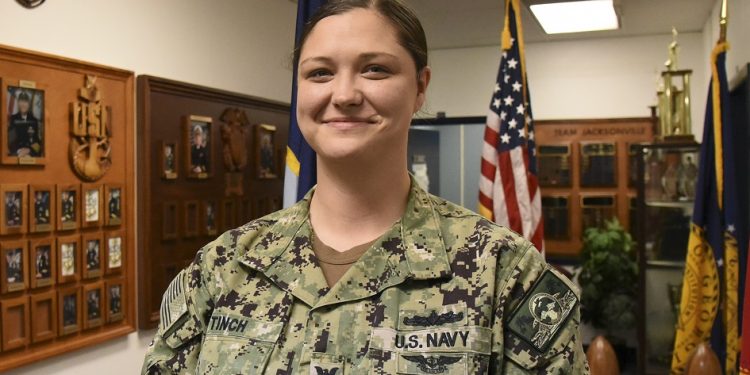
<point x="444" y="291"/>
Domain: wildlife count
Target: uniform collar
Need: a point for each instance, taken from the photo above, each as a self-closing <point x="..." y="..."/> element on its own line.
<point x="412" y="249"/>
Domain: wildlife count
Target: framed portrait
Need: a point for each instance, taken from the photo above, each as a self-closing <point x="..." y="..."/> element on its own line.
<point x="265" y="146"/>
<point x="114" y="292"/>
<point x="91" y="205"/>
<point x="42" y="208"/>
<point x="13" y="211"/>
<point x="69" y="310"/>
<point x="23" y="131"/>
<point x="198" y="142"/>
<point x="68" y="259"/>
<point x="114" y="242"/>
<point x="93" y="295"/>
<point x="93" y="249"/>
<point x="67" y="206"/>
<point x="14" y="315"/>
<point x="169" y="220"/>
<point x="13" y="266"/>
<point x="114" y="196"/>
<point x="168" y="159"/>
<point x="192" y="219"/>
<point x="42" y="258"/>
<point x="209" y="216"/>
<point x="43" y="316"/>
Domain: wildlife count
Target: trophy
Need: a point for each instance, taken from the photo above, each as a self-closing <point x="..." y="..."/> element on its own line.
<point x="674" y="99"/>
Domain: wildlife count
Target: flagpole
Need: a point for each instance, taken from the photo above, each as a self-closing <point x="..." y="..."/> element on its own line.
<point x="723" y="22"/>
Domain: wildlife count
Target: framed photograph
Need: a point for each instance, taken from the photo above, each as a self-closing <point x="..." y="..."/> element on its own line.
<point x="114" y="293"/>
<point x="168" y="159"/>
<point x="42" y="207"/>
<point x="14" y="208"/>
<point x="228" y="214"/>
<point x="114" y="256"/>
<point x="93" y="250"/>
<point x="23" y="131"/>
<point x="13" y="266"/>
<point x="68" y="259"/>
<point x="93" y="295"/>
<point x="208" y="215"/>
<point x="169" y="220"/>
<point x="91" y="205"/>
<point x="14" y="315"/>
<point x="67" y="206"/>
<point x="43" y="270"/>
<point x="69" y="310"/>
<point x="198" y="142"/>
<point x="265" y="144"/>
<point x="598" y="164"/>
<point x="192" y="219"/>
<point x="43" y="316"/>
<point x="114" y="195"/>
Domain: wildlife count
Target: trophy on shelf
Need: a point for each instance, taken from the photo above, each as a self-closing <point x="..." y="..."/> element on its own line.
<point x="674" y="99"/>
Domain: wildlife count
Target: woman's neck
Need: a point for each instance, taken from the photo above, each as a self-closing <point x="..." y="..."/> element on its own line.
<point x="353" y="204"/>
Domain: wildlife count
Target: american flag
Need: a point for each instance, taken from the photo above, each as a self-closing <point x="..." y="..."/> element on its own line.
<point x="508" y="189"/>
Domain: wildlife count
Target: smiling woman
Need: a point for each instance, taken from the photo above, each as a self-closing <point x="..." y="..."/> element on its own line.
<point x="369" y="273"/>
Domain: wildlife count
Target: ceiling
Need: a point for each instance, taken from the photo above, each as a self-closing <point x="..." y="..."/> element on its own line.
<point x="470" y="23"/>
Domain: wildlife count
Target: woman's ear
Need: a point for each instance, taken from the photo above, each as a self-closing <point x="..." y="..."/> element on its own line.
<point x="422" y="82"/>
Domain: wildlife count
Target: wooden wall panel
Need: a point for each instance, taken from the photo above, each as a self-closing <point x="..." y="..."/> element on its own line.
<point x="169" y="234"/>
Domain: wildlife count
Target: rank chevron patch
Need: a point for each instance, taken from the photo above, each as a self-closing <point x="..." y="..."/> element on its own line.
<point x="544" y="311"/>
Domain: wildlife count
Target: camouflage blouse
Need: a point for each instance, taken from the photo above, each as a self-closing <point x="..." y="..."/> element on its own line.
<point x="445" y="291"/>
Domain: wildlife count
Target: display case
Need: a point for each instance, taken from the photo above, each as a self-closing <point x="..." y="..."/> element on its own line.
<point x="667" y="175"/>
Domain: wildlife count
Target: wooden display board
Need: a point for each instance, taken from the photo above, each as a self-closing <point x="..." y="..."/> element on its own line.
<point x="587" y="174"/>
<point x="67" y="140"/>
<point x="209" y="160"/>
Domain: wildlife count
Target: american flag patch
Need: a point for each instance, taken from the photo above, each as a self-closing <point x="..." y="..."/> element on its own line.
<point x="173" y="303"/>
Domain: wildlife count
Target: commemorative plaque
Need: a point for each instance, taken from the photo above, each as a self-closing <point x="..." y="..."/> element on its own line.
<point x="598" y="164"/>
<point x="554" y="165"/>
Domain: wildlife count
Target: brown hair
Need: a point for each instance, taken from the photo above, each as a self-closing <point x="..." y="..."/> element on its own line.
<point x="408" y="28"/>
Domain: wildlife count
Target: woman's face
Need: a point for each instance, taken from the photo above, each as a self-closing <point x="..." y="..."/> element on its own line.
<point x="357" y="87"/>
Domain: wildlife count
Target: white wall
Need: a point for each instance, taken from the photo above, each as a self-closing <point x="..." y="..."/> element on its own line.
<point x="595" y="78"/>
<point x="738" y="36"/>
<point x="237" y="45"/>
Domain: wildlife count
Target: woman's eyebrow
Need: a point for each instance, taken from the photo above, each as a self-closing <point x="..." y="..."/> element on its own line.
<point x="365" y="56"/>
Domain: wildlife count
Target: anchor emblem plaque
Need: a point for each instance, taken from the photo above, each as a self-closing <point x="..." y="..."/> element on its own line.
<point x="90" y="148"/>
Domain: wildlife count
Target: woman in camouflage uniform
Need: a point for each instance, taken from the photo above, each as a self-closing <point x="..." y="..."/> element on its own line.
<point x="369" y="274"/>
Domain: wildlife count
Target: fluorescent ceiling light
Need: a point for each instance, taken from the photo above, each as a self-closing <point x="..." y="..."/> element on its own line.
<point x="576" y="16"/>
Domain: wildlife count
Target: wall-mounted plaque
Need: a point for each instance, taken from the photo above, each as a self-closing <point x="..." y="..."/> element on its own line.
<point x="632" y="164"/>
<point x="169" y="220"/>
<point x="14" y="263"/>
<point x="92" y="247"/>
<point x="43" y="208"/>
<point x="14" y="315"/>
<point x="113" y="255"/>
<point x="168" y="159"/>
<point x="68" y="206"/>
<point x="265" y="143"/>
<point x="229" y="215"/>
<point x="192" y="219"/>
<point x="69" y="310"/>
<point x="91" y="131"/>
<point x="93" y="295"/>
<point x="198" y="143"/>
<point x="23" y="124"/>
<point x="554" y="165"/>
<point x="596" y="209"/>
<point x="43" y="256"/>
<point x="598" y="164"/>
<point x="208" y="217"/>
<point x="14" y="209"/>
<point x="68" y="259"/>
<point x="114" y="292"/>
<point x="556" y="211"/>
<point x="43" y="316"/>
<point x="91" y="208"/>
<point x="114" y="196"/>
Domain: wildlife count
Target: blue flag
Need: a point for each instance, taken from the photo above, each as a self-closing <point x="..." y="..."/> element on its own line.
<point x="300" y="173"/>
<point x="709" y="306"/>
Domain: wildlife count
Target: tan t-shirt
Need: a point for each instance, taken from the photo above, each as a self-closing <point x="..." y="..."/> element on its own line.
<point x="335" y="263"/>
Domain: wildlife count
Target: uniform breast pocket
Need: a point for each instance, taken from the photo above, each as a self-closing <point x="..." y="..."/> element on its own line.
<point x="237" y="345"/>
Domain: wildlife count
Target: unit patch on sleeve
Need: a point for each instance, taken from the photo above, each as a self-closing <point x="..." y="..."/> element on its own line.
<point x="544" y="311"/>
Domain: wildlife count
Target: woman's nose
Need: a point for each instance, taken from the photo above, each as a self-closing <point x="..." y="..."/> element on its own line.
<point x="346" y="92"/>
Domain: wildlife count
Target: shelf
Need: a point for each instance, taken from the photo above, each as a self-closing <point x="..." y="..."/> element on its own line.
<point x="665" y="263"/>
<point x="671" y="204"/>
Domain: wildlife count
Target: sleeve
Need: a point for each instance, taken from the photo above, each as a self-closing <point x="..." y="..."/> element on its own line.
<point x="185" y="309"/>
<point x="537" y="317"/>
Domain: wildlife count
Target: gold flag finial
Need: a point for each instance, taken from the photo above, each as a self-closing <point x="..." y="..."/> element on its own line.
<point x="723" y="18"/>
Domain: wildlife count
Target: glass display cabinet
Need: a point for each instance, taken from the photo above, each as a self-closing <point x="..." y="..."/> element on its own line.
<point x="667" y="175"/>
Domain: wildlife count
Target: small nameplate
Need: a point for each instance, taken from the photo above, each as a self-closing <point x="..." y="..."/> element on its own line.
<point x="27" y="84"/>
<point x="26" y="160"/>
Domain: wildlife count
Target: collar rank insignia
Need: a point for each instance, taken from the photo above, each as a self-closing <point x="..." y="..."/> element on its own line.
<point x="544" y="311"/>
<point x="321" y="371"/>
<point x="434" y="319"/>
<point x="436" y="364"/>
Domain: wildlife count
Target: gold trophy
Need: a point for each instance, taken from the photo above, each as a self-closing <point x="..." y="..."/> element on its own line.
<point x="674" y="99"/>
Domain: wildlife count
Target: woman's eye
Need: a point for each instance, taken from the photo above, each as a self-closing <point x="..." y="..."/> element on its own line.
<point x="376" y="71"/>
<point x="319" y="74"/>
